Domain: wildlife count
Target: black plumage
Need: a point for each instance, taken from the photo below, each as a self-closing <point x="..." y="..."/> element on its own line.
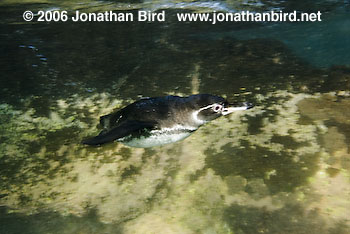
<point x="160" y="120"/>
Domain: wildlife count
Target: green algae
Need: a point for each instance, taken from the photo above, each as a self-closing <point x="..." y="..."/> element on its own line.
<point x="218" y="180"/>
<point x="291" y="218"/>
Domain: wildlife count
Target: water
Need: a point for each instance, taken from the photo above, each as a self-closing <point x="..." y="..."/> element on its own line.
<point x="283" y="166"/>
<point x="321" y="44"/>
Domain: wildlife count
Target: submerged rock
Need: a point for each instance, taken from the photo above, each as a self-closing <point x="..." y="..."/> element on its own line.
<point x="282" y="169"/>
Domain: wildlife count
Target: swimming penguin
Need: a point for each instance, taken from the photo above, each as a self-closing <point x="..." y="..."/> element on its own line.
<point x="161" y="120"/>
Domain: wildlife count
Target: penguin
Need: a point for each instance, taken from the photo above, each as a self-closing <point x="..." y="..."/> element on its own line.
<point x="157" y="121"/>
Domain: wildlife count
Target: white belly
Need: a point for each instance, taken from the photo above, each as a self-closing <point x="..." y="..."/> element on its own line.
<point x="156" y="140"/>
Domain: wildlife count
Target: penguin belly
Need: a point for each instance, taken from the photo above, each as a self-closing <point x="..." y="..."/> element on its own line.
<point x="154" y="139"/>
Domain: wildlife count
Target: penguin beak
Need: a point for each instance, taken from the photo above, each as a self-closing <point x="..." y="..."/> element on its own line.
<point x="234" y="107"/>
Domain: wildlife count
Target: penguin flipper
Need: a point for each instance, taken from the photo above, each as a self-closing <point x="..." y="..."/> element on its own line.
<point x="120" y="131"/>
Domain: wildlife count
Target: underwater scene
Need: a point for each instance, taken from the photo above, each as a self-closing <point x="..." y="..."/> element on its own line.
<point x="282" y="166"/>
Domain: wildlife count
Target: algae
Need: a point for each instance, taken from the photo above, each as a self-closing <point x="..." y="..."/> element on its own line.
<point x="220" y="179"/>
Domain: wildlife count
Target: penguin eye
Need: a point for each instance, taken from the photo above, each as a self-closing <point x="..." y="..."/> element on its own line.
<point x="217" y="108"/>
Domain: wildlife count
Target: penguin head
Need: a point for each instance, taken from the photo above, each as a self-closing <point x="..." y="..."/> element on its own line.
<point x="210" y="107"/>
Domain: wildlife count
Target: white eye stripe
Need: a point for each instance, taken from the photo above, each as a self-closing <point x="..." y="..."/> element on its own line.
<point x="210" y="106"/>
<point x="195" y="114"/>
